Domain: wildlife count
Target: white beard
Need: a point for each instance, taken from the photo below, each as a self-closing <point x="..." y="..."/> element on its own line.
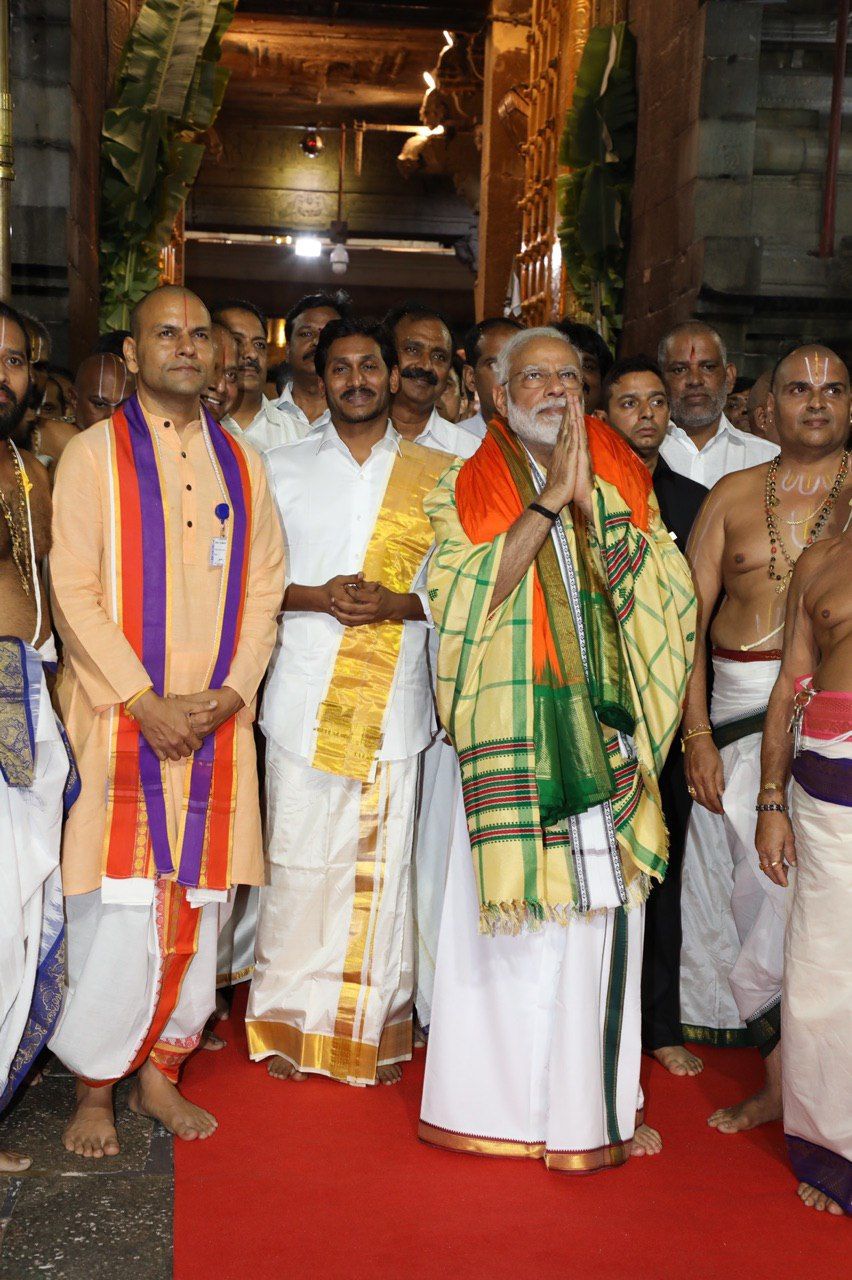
<point x="536" y="426"/>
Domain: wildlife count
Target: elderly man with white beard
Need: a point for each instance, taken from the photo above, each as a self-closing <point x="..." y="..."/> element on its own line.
<point x="555" y="588"/>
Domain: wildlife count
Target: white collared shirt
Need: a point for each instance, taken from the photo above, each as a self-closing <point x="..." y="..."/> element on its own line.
<point x="476" y="425"/>
<point x="440" y="433"/>
<point x="270" y="427"/>
<point x="286" y="402"/>
<point x="328" y="506"/>
<point x="727" y="451"/>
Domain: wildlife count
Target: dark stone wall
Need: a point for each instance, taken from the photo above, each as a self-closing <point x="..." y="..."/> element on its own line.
<point x="40" y="57"/>
<point x="665" y="268"/>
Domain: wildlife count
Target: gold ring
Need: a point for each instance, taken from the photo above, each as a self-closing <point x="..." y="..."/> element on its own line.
<point x="691" y="790"/>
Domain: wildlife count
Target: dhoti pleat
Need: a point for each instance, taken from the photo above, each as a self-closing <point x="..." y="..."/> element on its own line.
<point x="817" y="997"/>
<point x="141" y="983"/>
<point x="733" y="915"/>
<point x="535" y="1040"/>
<point x="333" y="985"/>
<point x="437" y="810"/>
<point x="237" y="929"/>
<point x="31" y="920"/>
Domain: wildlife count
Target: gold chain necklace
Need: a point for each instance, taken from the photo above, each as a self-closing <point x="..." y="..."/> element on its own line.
<point x="18" y="534"/>
<point x="776" y="542"/>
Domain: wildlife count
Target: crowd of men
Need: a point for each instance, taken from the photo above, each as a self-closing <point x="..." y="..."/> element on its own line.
<point x="369" y="692"/>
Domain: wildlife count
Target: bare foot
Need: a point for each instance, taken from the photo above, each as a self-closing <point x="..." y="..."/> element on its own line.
<point x="91" y="1130"/>
<point x="153" y="1095"/>
<point x="646" y="1142"/>
<point x="389" y="1075"/>
<point x="815" y="1199"/>
<point x="209" y="1039"/>
<point x="13" y="1162"/>
<point x="760" y="1109"/>
<point x="677" y="1059"/>
<point x="280" y="1069"/>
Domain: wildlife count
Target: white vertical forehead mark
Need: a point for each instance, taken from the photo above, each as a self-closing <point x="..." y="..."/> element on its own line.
<point x="2" y="331"/>
<point x="101" y="377"/>
<point x="817" y="376"/>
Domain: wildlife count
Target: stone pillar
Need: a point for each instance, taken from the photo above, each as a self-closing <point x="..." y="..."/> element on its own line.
<point x="506" y="65"/>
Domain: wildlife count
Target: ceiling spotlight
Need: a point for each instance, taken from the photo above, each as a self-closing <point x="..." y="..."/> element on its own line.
<point x="339" y="259"/>
<point x="308" y="247"/>
<point x="430" y="79"/>
<point x="279" y="240"/>
<point x="311" y="143"/>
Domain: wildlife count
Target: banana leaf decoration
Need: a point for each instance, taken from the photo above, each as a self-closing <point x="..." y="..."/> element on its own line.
<point x="598" y="145"/>
<point x="168" y="91"/>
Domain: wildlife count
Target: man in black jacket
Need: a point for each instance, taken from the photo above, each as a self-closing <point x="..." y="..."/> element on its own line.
<point x="635" y="402"/>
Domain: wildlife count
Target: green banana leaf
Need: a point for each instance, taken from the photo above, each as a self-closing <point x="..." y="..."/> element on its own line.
<point x="598" y="145"/>
<point x="169" y="89"/>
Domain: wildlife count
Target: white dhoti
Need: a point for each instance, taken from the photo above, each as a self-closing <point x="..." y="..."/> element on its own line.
<point x="535" y="1040"/>
<point x="31" y="919"/>
<point x="237" y="929"/>
<point x="726" y="892"/>
<point x="333" y="984"/>
<point x="817" y="997"/>
<point x="141" y="978"/>
<point x="438" y="804"/>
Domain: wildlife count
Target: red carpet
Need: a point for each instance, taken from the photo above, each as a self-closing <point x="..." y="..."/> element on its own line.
<point x="323" y="1181"/>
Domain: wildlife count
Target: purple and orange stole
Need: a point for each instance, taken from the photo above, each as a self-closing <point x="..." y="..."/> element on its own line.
<point x="137" y="841"/>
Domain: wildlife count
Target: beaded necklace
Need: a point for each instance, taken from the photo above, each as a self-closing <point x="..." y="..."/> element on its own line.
<point x="18" y="523"/>
<point x="773" y="528"/>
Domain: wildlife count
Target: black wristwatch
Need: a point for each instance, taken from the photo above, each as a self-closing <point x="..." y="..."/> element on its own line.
<point x="543" y="511"/>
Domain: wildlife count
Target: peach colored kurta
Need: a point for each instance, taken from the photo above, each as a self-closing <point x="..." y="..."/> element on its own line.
<point x="100" y="667"/>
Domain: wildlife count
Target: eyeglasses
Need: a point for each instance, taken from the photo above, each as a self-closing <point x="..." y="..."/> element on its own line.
<point x="535" y="379"/>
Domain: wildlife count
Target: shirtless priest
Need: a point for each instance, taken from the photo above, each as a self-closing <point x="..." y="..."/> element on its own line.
<point x="815" y="681"/>
<point x="167" y="574"/>
<point x="747" y="538"/>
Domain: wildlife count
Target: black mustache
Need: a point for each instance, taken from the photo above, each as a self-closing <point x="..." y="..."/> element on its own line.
<point x="250" y="364"/>
<point x="353" y="391"/>
<point x="420" y="375"/>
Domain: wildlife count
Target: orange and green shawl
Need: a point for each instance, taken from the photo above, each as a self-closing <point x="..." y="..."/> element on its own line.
<point x="536" y="732"/>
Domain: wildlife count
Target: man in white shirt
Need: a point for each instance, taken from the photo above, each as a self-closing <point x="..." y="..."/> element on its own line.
<point x="303" y="394"/>
<point x="348" y="709"/>
<point x="482" y="345"/>
<point x="255" y="418"/>
<point x="424" y="351"/>
<point x="703" y="445"/>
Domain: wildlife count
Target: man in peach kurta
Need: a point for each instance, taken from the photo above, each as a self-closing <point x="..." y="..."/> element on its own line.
<point x="160" y="717"/>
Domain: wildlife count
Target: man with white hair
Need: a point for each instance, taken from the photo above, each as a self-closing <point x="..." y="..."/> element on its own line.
<point x="705" y="446"/>
<point x="555" y="588"/>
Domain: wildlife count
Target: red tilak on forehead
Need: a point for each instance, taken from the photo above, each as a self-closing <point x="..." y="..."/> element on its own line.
<point x="185" y="312"/>
<point x="692" y="352"/>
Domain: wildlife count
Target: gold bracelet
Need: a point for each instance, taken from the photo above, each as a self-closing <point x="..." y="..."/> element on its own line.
<point x="130" y="701"/>
<point x="696" y="733"/>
